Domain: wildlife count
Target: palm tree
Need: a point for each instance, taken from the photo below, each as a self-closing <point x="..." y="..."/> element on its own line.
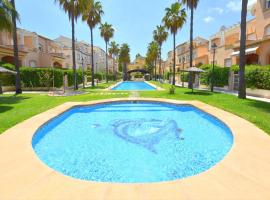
<point x="6" y="11"/>
<point x="191" y="4"/>
<point x="160" y="36"/>
<point x="152" y="55"/>
<point x="92" y="16"/>
<point x="242" y="82"/>
<point x="106" y="31"/>
<point x="114" y="51"/>
<point x="124" y="59"/>
<point x="74" y="8"/>
<point x="15" y="48"/>
<point x="174" y="19"/>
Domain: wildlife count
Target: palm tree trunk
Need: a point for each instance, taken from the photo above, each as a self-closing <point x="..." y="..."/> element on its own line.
<point x="73" y="53"/>
<point x="190" y="85"/>
<point x="173" y="59"/>
<point x="92" y="59"/>
<point x="107" y="62"/>
<point x="242" y="81"/>
<point x="16" y="52"/>
<point x="155" y="63"/>
<point x="114" y="77"/>
<point x="160" y="61"/>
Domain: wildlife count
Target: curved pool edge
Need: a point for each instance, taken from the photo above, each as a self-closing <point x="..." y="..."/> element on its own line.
<point x="246" y="165"/>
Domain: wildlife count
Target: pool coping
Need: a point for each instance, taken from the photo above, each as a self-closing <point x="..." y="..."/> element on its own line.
<point x="147" y="82"/>
<point x="243" y="174"/>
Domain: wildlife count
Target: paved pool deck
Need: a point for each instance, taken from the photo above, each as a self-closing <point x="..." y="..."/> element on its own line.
<point x="243" y="174"/>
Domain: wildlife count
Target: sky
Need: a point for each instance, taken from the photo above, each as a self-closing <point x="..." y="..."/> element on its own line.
<point x="133" y="20"/>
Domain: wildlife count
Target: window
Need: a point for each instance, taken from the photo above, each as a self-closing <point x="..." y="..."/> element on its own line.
<point x="267" y="4"/>
<point x="267" y="30"/>
<point x="228" y="62"/>
<point x="40" y="48"/>
<point x="33" y="63"/>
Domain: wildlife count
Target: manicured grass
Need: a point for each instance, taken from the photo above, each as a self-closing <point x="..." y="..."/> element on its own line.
<point x="254" y="111"/>
<point x="15" y="109"/>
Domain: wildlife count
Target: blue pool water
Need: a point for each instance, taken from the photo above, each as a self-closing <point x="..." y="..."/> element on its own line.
<point x="133" y="85"/>
<point x="132" y="142"/>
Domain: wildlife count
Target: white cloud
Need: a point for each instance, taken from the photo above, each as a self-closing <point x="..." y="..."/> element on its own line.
<point x="251" y="2"/>
<point x="218" y="10"/>
<point x="234" y="5"/>
<point x="208" y="19"/>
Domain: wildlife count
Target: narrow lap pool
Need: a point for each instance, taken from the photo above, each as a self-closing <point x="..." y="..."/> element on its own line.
<point x="133" y="85"/>
<point x="127" y="142"/>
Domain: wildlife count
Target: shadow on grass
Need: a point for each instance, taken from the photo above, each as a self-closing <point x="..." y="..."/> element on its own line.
<point x="199" y="93"/>
<point x="264" y="106"/>
<point x="5" y="108"/>
<point x="12" y="99"/>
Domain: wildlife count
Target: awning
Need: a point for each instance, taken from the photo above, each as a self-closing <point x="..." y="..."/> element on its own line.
<point x="4" y="70"/>
<point x="248" y="51"/>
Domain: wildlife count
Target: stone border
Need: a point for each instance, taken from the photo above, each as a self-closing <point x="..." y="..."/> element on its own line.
<point x="154" y="86"/>
<point x="243" y="174"/>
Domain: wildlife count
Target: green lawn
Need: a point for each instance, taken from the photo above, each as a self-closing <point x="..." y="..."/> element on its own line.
<point x="254" y="111"/>
<point x="14" y="109"/>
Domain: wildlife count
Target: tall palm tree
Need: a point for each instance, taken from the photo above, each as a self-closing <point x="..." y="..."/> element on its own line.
<point x="242" y="81"/>
<point x="106" y="31"/>
<point x="152" y="54"/>
<point x="74" y="8"/>
<point x="114" y="52"/>
<point x="124" y="59"/>
<point x="192" y="5"/>
<point x="92" y="16"/>
<point x="160" y="36"/>
<point x="174" y="20"/>
<point x="15" y="48"/>
<point x="6" y="11"/>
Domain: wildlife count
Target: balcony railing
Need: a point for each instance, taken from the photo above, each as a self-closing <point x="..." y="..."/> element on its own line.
<point x="58" y="55"/>
<point x="20" y="47"/>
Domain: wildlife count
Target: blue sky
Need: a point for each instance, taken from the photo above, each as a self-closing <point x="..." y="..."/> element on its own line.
<point x="134" y="20"/>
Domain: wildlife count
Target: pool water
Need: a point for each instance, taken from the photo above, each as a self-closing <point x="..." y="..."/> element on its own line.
<point x="133" y="85"/>
<point x="139" y="142"/>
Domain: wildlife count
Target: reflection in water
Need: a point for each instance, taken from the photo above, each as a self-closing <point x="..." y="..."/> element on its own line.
<point x="146" y="133"/>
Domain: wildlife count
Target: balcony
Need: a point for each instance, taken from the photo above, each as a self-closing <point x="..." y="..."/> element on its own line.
<point x="20" y="47"/>
<point x="59" y="55"/>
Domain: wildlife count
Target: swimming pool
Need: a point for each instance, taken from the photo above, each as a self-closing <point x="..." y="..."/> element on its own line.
<point x="133" y="85"/>
<point x="128" y="142"/>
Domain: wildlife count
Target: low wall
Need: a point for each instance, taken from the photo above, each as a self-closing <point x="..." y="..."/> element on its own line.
<point x="258" y="93"/>
<point x="12" y="88"/>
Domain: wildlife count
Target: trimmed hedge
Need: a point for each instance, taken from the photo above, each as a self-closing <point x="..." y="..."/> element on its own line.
<point x="40" y="77"/>
<point x="220" y="75"/>
<point x="43" y="77"/>
<point x="256" y="76"/>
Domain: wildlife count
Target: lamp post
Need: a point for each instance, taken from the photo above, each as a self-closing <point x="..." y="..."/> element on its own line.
<point x="183" y="62"/>
<point x="83" y="73"/>
<point x="214" y="47"/>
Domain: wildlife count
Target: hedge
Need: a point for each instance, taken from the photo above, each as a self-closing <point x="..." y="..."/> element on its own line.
<point x="256" y="76"/>
<point x="43" y="77"/>
<point x="40" y="77"/>
<point x="220" y="75"/>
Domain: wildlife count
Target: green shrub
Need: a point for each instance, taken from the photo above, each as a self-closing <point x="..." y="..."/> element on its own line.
<point x="220" y="75"/>
<point x="256" y="76"/>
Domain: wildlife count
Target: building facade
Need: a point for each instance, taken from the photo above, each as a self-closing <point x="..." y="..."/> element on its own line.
<point x="34" y="50"/>
<point x="38" y="51"/>
<point x="227" y="41"/>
